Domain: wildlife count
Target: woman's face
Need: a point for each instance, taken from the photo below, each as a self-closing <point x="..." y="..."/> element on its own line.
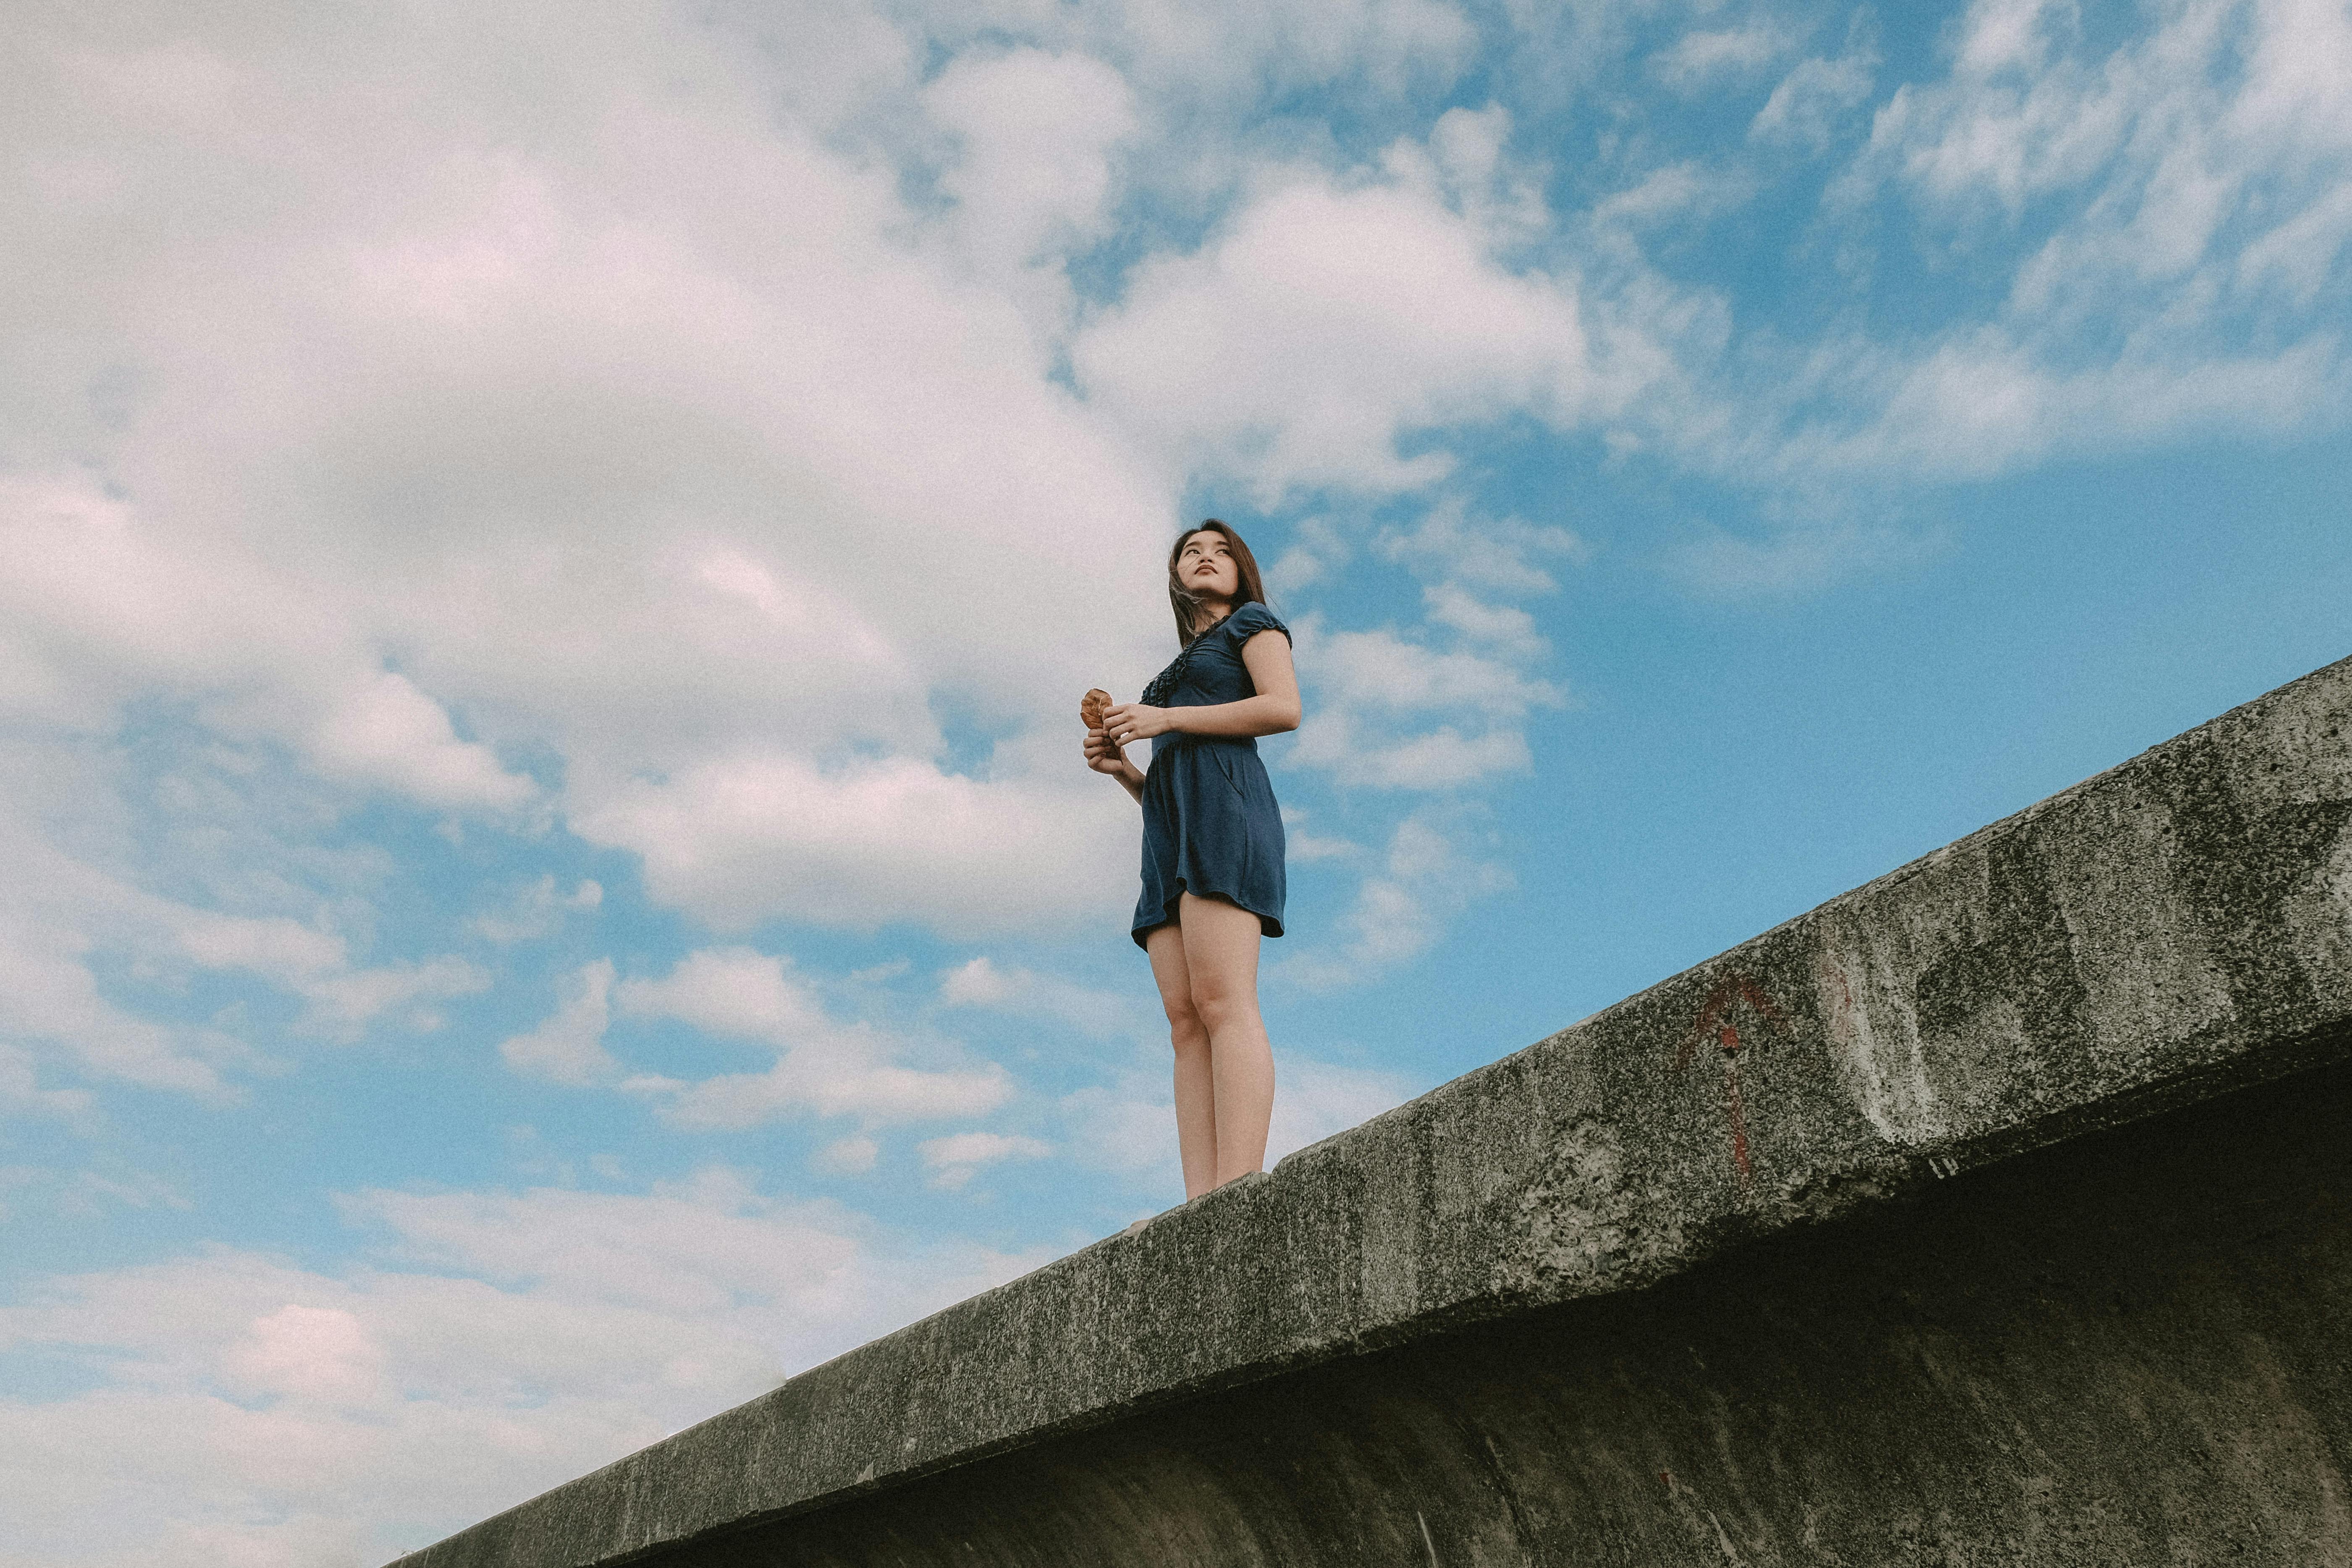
<point x="1205" y="566"/>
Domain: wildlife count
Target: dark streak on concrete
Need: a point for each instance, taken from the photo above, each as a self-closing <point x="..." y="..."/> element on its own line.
<point x="1536" y="1316"/>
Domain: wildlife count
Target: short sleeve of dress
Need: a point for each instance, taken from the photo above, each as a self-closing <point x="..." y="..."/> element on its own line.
<point x="1253" y="619"/>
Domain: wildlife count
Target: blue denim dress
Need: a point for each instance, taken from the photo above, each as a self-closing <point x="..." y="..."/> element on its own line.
<point x="1211" y="827"/>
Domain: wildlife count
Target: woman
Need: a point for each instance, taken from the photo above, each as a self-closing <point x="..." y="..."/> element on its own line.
<point x="1213" y="880"/>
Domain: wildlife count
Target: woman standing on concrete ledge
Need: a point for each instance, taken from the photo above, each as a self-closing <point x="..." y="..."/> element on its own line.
<point x="1213" y="881"/>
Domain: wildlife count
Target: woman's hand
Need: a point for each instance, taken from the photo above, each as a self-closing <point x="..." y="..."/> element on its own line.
<point x="1108" y="759"/>
<point x="1126" y="722"/>
<point x="1102" y="756"/>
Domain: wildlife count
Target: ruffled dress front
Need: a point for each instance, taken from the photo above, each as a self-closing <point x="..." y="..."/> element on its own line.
<point x="1211" y="827"/>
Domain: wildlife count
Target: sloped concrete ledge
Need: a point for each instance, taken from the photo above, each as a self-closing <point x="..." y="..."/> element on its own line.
<point x="2171" y="932"/>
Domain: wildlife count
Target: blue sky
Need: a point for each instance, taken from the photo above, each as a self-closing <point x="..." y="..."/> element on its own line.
<point x="550" y="555"/>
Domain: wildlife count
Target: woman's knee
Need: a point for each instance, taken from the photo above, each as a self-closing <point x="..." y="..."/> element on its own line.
<point x="1187" y="1030"/>
<point x="1219" y="1007"/>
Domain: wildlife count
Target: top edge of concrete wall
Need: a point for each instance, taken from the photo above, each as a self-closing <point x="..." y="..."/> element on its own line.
<point x="2173" y="929"/>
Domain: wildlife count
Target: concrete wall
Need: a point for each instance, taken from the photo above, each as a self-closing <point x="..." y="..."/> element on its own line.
<point x="1835" y="1248"/>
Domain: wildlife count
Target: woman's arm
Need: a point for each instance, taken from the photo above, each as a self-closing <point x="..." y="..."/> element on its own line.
<point x="1272" y="711"/>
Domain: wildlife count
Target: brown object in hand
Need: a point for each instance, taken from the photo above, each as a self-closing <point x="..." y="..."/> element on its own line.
<point x="1091" y="706"/>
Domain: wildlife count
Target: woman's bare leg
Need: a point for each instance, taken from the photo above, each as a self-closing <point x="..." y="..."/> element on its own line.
<point x="1220" y="942"/>
<point x="1196" y="1099"/>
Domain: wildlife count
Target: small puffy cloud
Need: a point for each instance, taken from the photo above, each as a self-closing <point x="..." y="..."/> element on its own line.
<point x="1301" y="843"/>
<point x="1318" y="1100"/>
<point x="979" y="982"/>
<point x="315" y="965"/>
<point x="343" y="1004"/>
<point x="1502" y="556"/>
<point x="383" y="729"/>
<point x="851" y="1156"/>
<point x="822" y="1065"/>
<point x="1676" y="192"/>
<point x="569" y="1047"/>
<point x="1440" y="705"/>
<point x="955" y="1159"/>
<point x="1429" y="873"/>
<point x="1805" y="108"/>
<point x="1382" y="670"/>
<point x="837" y="1077"/>
<point x="1369" y="689"/>
<point x="536" y="910"/>
<point x="323" y="1356"/>
<point x="732" y="991"/>
<point x="1319" y="550"/>
<point x="1702" y="57"/>
<point x="1796" y="559"/>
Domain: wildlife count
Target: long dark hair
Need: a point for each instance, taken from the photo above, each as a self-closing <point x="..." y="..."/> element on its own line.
<point x="1192" y="614"/>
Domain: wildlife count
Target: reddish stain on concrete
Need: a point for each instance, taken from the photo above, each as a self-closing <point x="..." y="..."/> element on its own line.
<point x="1715" y="1017"/>
<point x="1738" y="1121"/>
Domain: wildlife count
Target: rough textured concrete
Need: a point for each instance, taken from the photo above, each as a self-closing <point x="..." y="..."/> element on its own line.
<point x="1496" y="1304"/>
<point x="2129" y="1348"/>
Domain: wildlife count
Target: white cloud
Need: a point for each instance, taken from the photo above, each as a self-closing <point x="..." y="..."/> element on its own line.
<point x="536" y="910"/>
<point x="1037" y="133"/>
<point x="1318" y="1100"/>
<point x="1496" y="556"/>
<point x="1301" y="844"/>
<point x="733" y="992"/>
<point x="1702" y="57"/>
<point x="84" y="1194"/>
<point x="1675" y="193"/>
<point x="101" y="603"/>
<point x="1429" y="875"/>
<point x="753" y="838"/>
<point x="1370" y="688"/>
<point x="385" y="730"/>
<point x="241" y="1409"/>
<point x="1218" y="52"/>
<point x="847" y="1156"/>
<point x="979" y="982"/>
<point x="955" y="1159"/>
<point x="1801" y="557"/>
<point x="1319" y="549"/>
<point x="821" y="1066"/>
<point x="625" y="426"/>
<point x="1438" y="709"/>
<point x="569" y="1047"/>
<point x="1382" y="670"/>
<point x="64" y="918"/>
<point x="1805" y="108"/>
<point x="1325" y="321"/>
<point x="2154" y="192"/>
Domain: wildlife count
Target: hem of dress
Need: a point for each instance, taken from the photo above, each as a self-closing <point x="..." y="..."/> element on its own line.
<point x="1267" y="925"/>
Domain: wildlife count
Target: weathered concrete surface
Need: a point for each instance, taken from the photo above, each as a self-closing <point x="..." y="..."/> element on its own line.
<point x="1465" y="1332"/>
<point x="2128" y="1349"/>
